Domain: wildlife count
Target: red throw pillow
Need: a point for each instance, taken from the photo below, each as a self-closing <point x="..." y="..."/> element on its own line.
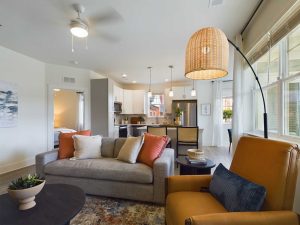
<point x="66" y="143"/>
<point x="152" y="148"/>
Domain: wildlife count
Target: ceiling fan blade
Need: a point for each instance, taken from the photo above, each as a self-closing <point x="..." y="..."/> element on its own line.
<point x="108" y="16"/>
<point x="108" y="37"/>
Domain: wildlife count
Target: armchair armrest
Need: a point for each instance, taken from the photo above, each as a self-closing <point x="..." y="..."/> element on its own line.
<point x="187" y="183"/>
<point x="42" y="159"/>
<point x="245" y="218"/>
<point x="163" y="167"/>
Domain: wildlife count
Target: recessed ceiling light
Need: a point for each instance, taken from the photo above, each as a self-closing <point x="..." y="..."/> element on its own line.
<point x="124" y="75"/>
<point x="56" y="89"/>
<point x="134" y="81"/>
<point x="166" y="80"/>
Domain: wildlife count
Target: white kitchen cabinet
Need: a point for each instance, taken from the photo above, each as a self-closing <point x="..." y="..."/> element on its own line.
<point x="138" y="102"/>
<point x="127" y="102"/>
<point x="118" y="94"/>
<point x="116" y="131"/>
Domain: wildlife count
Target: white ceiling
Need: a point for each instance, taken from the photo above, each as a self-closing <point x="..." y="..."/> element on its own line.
<point x="150" y="33"/>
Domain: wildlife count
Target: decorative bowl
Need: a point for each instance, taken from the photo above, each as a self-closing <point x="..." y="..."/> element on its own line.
<point x="196" y="154"/>
<point x="26" y="196"/>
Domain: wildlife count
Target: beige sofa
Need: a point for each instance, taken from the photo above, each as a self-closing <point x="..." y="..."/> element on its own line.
<point x="108" y="176"/>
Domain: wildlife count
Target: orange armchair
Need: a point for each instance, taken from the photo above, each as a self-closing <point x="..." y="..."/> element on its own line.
<point x="272" y="164"/>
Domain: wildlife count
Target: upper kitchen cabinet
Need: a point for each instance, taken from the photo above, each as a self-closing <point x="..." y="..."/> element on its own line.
<point x="118" y="94"/>
<point x="134" y="102"/>
<point x="138" y="102"/>
<point x="127" y="102"/>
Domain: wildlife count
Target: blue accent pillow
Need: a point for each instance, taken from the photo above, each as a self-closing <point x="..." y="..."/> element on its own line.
<point x="236" y="193"/>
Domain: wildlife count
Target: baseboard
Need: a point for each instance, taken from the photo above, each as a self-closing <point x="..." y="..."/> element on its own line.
<point x="17" y="165"/>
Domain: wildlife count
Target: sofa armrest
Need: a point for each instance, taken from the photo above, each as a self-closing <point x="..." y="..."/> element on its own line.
<point x="42" y="159"/>
<point x="187" y="183"/>
<point x="246" y="218"/>
<point x="163" y="167"/>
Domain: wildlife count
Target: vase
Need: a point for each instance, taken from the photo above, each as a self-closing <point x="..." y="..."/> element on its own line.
<point x="177" y="121"/>
<point x="26" y="197"/>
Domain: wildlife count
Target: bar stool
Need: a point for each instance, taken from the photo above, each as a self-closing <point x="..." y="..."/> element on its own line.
<point x="159" y="131"/>
<point x="186" y="136"/>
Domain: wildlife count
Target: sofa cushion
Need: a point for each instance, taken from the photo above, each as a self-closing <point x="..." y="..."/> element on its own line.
<point x="103" y="168"/>
<point x="66" y="144"/>
<point x="152" y="148"/>
<point x="236" y="193"/>
<point x="130" y="149"/>
<point x="119" y="142"/>
<point x="182" y="205"/>
<point x="87" y="147"/>
<point x="107" y="147"/>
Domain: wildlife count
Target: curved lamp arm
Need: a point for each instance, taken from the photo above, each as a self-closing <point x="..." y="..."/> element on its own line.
<point x="261" y="91"/>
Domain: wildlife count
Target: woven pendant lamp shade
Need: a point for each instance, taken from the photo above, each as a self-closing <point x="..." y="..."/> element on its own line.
<point x="207" y="55"/>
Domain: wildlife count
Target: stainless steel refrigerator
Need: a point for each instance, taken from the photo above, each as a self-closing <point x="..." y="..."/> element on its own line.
<point x="189" y="109"/>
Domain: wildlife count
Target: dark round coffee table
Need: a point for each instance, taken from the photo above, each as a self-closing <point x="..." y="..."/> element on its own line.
<point x="187" y="168"/>
<point x="56" y="204"/>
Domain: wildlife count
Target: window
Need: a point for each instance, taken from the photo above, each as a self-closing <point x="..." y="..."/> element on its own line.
<point x="227" y="109"/>
<point x="280" y="80"/>
<point x="156" y="106"/>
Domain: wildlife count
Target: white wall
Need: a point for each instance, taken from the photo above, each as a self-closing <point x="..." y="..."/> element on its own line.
<point x="204" y="96"/>
<point x="20" y="144"/>
<point x="55" y="79"/>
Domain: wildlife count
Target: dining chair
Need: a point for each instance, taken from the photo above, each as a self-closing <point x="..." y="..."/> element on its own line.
<point x="186" y="136"/>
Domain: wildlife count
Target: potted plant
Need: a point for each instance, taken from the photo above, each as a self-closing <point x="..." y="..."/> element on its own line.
<point x="25" y="190"/>
<point x="178" y="114"/>
<point x="227" y="114"/>
<point x="141" y="119"/>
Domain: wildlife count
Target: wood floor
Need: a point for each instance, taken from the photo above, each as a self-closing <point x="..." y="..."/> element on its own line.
<point x="218" y="155"/>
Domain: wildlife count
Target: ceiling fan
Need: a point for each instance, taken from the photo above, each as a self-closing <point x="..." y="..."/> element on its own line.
<point x="81" y="26"/>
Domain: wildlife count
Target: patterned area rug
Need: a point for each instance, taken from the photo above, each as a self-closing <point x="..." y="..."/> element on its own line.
<point x="110" y="211"/>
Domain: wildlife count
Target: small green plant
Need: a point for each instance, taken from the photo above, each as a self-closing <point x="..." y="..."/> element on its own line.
<point x="27" y="182"/>
<point x="141" y="119"/>
<point x="178" y="112"/>
<point x="227" y="114"/>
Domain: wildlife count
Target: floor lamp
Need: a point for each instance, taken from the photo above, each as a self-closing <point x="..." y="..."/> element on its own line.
<point x="207" y="58"/>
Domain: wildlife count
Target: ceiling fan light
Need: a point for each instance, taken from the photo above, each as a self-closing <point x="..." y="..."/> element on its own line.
<point x="79" y="29"/>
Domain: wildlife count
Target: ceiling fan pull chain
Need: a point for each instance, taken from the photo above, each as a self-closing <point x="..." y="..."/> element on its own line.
<point x="72" y="43"/>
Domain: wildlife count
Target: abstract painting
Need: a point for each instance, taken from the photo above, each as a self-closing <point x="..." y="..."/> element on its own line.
<point x="8" y="104"/>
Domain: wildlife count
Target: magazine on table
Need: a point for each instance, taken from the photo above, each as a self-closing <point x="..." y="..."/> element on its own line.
<point x="195" y="161"/>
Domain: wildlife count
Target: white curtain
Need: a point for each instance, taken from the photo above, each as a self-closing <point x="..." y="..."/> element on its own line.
<point x="237" y="123"/>
<point x="217" y="114"/>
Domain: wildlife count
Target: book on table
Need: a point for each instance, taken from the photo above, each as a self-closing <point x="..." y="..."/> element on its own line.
<point x="195" y="161"/>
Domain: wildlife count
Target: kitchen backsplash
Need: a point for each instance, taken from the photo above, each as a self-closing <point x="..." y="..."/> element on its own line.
<point x="121" y="118"/>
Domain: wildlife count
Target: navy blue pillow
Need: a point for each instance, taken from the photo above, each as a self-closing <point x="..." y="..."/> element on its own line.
<point x="235" y="193"/>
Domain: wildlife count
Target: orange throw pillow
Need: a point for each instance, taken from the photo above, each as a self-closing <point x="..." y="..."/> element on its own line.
<point x="152" y="148"/>
<point x="66" y="143"/>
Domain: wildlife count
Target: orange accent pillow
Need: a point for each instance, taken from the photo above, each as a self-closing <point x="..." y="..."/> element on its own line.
<point x="152" y="148"/>
<point x="66" y="143"/>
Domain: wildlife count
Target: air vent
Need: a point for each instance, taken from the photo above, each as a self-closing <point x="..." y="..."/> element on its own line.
<point x="214" y="3"/>
<point x="70" y="80"/>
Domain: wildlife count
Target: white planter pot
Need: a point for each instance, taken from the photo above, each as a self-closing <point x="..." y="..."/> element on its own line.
<point x="26" y="196"/>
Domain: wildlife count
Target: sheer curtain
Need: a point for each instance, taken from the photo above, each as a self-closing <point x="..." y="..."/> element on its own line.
<point x="237" y="123"/>
<point x="217" y="114"/>
<point x="80" y="111"/>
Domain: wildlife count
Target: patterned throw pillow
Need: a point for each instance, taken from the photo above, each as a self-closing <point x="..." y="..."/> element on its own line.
<point x="236" y="193"/>
<point x="152" y="148"/>
<point x="66" y="143"/>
